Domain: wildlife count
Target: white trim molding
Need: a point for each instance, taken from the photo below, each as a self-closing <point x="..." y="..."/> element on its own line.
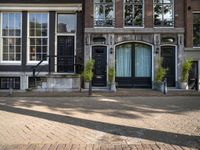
<point x="41" y="7"/>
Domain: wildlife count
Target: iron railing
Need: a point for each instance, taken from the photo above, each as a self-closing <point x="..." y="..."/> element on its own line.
<point x="72" y="63"/>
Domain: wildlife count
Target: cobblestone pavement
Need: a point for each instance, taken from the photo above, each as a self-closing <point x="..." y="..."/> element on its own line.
<point x="99" y="123"/>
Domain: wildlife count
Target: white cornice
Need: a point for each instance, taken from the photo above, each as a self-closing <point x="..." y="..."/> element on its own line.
<point x="40" y="7"/>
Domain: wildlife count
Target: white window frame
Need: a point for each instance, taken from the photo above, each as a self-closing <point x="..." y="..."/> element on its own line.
<point x="195" y="12"/>
<point x="9" y="62"/>
<point x="65" y="34"/>
<point x="94" y="14"/>
<point x="143" y="9"/>
<point x="31" y="62"/>
<point x="173" y="16"/>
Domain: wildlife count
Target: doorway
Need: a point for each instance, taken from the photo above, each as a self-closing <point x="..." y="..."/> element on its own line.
<point x="65" y="54"/>
<point x="168" y="55"/>
<point x="99" y="54"/>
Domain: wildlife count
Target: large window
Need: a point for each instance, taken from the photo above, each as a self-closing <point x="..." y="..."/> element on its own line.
<point x="142" y="60"/>
<point x="163" y="13"/>
<point x="196" y="29"/>
<point x="38" y="36"/>
<point x="133" y="13"/>
<point x="123" y="61"/>
<point x="133" y="59"/>
<point x="104" y="13"/>
<point x="11" y="36"/>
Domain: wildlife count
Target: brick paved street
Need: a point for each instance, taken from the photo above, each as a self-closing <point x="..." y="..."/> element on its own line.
<point x="100" y="123"/>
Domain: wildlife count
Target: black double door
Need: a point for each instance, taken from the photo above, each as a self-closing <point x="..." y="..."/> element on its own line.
<point x="168" y="55"/>
<point x="99" y="54"/>
<point x="65" y="54"/>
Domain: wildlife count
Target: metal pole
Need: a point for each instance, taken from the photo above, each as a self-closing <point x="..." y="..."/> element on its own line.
<point x="90" y="88"/>
<point x="10" y="87"/>
<point x="49" y="64"/>
<point x="34" y="76"/>
<point x="165" y="86"/>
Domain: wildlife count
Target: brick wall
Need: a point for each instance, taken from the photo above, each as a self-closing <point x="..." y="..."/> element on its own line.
<point x="89" y="13"/>
<point x="148" y="6"/>
<point x="190" y="7"/>
<point x="179" y="13"/>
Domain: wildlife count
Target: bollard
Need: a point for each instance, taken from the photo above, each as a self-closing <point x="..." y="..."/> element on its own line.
<point x="10" y="87"/>
<point x="165" y="86"/>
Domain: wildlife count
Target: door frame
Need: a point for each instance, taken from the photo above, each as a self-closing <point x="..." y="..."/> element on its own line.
<point x="107" y="54"/>
<point x="176" y="60"/>
<point x="65" y="34"/>
<point x="152" y="55"/>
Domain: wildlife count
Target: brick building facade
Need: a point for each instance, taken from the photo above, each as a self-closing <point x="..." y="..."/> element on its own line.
<point x="134" y="35"/>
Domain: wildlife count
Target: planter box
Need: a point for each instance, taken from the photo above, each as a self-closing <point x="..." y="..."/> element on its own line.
<point x="159" y="86"/>
<point x="86" y="85"/>
<point x="183" y="85"/>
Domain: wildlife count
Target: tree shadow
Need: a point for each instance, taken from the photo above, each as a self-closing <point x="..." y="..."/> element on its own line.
<point x="127" y="108"/>
<point x="153" y="135"/>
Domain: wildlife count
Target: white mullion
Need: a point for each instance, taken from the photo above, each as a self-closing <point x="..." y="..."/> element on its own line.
<point x="14" y="38"/>
<point x="133" y="13"/>
<point x="8" y="36"/>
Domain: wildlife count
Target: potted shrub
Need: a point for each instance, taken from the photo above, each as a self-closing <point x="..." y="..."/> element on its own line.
<point x="88" y="74"/>
<point x="187" y="66"/>
<point x="160" y="75"/>
<point x="111" y="76"/>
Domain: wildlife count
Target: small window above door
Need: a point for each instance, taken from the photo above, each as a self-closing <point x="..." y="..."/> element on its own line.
<point x="66" y="23"/>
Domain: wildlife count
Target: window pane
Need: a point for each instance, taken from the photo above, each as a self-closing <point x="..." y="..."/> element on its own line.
<point x="128" y="15"/>
<point x="163" y="13"/>
<point x="104" y="14"/>
<point x="17" y="24"/>
<point x="66" y="23"/>
<point x="133" y="13"/>
<point x="5" y="24"/>
<point x="142" y="61"/>
<point x="11" y="24"/>
<point x="196" y="30"/>
<point x="138" y="15"/>
<point x="123" y="61"/>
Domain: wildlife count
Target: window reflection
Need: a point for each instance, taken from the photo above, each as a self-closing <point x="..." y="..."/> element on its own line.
<point x="11" y="36"/>
<point x="38" y="35"/>
<point x="133" y="13"/>
<point x="104" y="13"/>
<point x="66" y="23"/>
<point x="196" y="30"/>
<point x="163" y="13"/>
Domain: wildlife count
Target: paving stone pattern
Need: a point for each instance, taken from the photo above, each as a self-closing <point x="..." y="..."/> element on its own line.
<point x="118" y="123"/>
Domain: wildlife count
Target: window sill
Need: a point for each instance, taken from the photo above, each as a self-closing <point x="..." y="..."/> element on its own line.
<point x="36" y="62"/>
<point x="10" y="63"/>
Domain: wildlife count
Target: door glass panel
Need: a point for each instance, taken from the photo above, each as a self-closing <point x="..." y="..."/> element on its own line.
<point x="123" y="61"/>
<point x="142" y="60"/>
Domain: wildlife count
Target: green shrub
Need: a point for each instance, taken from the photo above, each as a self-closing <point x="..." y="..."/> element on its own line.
<point x="161" y="72"/>
<point x="111" y="74"/>
<point x="88" y="71"/>
<point x="187" y="66"/>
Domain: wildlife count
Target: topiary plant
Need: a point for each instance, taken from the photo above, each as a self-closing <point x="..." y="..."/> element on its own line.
<point x="161" y="72"/>
<point x="88" y="71"/>
<point x="111" y="74"/>
<point x="187" y="66"/>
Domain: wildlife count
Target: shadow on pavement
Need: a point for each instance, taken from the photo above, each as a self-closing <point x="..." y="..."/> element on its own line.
<point x="154" y="135"/>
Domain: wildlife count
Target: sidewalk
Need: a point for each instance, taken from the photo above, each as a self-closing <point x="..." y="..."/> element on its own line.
<point x="49" y="123"/>
<point x="104" y="93"/>
<point x="94" y="147"/>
